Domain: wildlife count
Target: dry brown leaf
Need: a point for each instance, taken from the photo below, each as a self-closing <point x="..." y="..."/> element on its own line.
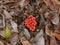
<point x="2" y="21"/>
<point x="24" y="41"/>
<point x="4" y="42"/>
<point x="47" y="30"/>
<point x="26" y="2"/>
<point x="55" y="35"/>
<point x="14" y="26"/>
<point x="1" y="43"/>
<point x="39" y="38"/>
<point x="53" y="41"/>
<point x="14" y="39"/>
<point x="23" y="3"/>
<point x="53" y="5"/>
<point x="8" y="15"/>
<point x="38" y="2"/>
<point x="1" y="32"/>
<point x="26" y="33"/>
<point x="55" y="19"/>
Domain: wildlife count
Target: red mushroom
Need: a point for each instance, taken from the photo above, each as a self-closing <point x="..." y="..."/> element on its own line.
<point x="30" y="22"/>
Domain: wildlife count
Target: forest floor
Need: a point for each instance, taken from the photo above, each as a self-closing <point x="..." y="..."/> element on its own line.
<point x="29" y="22"/>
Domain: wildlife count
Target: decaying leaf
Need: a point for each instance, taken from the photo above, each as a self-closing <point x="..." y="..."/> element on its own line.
<point x="55" y="35"/>
<point x="47" y="30"/>
<point x="55" y="19"/>
<point x="14" y="39"/>
<point x="39" y="38"/>
<point x="53" y="16"/>
<point x="2" y="21"/>
<point x="39" y="34"/>
<point x="40" y="41"/>
<point x="53" y="5"/>
<point x="2" y="33"/>
<point x="46" y="13"/>
<point x="53" y="41"/>
<point x="8" y="15"/>
<point x="24" y="41"/>
<point x="38" y="2"/>
<point x="23" y="3"/>
<point x="1" y="43"/>
<point x="57" y="29"/>
<point x="27" y="34"/>
<point x="14" y="26"/>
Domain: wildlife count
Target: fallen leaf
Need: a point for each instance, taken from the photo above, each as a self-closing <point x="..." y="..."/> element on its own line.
<point x="39" y="38"/>
<point x="8" y="15"/>
<point x="27" y="34"/>
<point x="47" y="30"/>
<point x="40" y="41"/>
<point x="39" y="35"/>
<point x="53" y="5"/>
<point x="14" y="26"/>
<point x="14" y="39"/>
<point x="38" y="2"/>
<point x="1" y="43"/>
<point x="4" y="42"/>
<point x="2" y="21"/>
<point x="53" y="41"/>
<point x="24" y="41"/>
<point x="55" y="19"/>
<point x="2" y="33"/>
<point x="23" y="3"/>
<point x="55" y="35"/>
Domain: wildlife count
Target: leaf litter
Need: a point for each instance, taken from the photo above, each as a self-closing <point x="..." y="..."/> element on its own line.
<point x="46" y="15"/>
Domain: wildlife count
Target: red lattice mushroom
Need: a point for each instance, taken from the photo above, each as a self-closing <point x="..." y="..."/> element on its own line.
<point x="30" y="22"/>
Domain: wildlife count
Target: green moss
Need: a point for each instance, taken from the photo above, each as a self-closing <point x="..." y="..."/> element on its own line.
<point x="7" y="33"/>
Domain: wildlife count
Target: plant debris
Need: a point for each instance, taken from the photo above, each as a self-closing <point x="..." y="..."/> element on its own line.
<point x="29" y="22"/>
